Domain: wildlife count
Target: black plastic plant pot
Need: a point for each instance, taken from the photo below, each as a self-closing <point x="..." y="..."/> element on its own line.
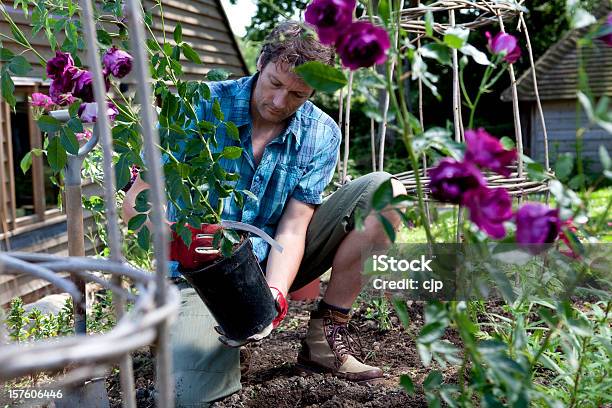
<point x="236" y="292"/>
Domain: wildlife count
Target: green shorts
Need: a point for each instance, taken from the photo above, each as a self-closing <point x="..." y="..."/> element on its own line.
<point x="204" y="369"/>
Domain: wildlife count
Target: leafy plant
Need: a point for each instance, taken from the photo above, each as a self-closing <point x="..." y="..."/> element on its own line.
<point x="17" y="320"/>
<point x="380" y="311"/>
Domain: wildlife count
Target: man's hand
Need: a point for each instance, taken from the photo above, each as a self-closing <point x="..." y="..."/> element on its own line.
<point x="200" y="251"/>
<point x="281" y="308"/>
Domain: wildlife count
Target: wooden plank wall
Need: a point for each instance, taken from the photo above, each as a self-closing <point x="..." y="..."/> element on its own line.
<point x="560" y="118"/>
<point x="7" y="207"/>
<point x="205" y="28"/>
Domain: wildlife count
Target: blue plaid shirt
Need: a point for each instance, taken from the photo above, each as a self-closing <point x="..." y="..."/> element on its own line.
<point x="298" y="163"/>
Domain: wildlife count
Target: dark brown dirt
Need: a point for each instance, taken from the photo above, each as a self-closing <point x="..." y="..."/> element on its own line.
<point x="273" y="381"/>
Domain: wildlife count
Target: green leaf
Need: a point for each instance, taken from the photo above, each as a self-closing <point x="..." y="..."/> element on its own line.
<point x="407" y="384"/>
<point x="433" y="380"/>
<point x="232" y="152"/>
<point x="604" y="157"/>
<point x="76" y="125"/>
<point x="231" y="236"/>
<point x="456" y="37"/>
<point x="507" y="143"/>
<point x="19" y="65"/>
<point x="564" y="166"/>
<point x="438" y="52"/>
<point x="382" y="196"/>
<point x="142" y="201"/>
<point x="73" y="111"/>
<point x="178" y="33"/>
<point x="104" y="38"/>
<point x="144" y="238"/>
<point x="8" y="88"/>
<point x="402" y="312"/>
<point x="48" y="124"/>
<point x="122" y="172"/>
<point x="535" y="171"/>
<point x="478" y="56"/>
<point x="56" y="154"/>
<point x="190" y="54"/>
<point x="429" y="21"/>
<point x="577" y="181"/>
<point x="217" y="74"/>
<point x="232" y="130"/>
<point x="321" y="77"/>
<point x="217" y="111"/>
<point x="136" y="221"/>
<point x="26" y="162"/>
<point x="431" y="332"/>
<point x="69" y="141"/>
<point x="6" y="54"/>
<point x="388" y="227"/>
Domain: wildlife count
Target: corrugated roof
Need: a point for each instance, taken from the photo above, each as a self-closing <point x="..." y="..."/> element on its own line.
<point x="557" y="71"/>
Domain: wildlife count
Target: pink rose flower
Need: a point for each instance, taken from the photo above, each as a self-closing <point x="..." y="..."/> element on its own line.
<point x="330" y="18"/>
<point x="88" y="112"/>
<point x="489" y="208"/>
<point x="58" y="64"/>
<point x="487" y="152"/>
<point x="504" y="43"/>
<point x="450" y="179"/>
<point x="117" y="62"/>
<point x="41" y="100"/>
<point x="362" y="44"/>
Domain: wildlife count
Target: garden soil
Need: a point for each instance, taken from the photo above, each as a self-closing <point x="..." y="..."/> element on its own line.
<point x="273" y="381"/>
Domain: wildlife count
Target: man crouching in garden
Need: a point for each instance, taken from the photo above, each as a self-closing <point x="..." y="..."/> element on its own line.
<point x="290" y="151"/>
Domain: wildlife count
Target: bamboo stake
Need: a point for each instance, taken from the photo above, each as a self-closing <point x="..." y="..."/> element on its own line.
<point x="340" y="103"/>
<point x="346" y="128"/>
<point x="103" y="129"/>
<point x="165" y="397"/>
<point x="373" y="143"/>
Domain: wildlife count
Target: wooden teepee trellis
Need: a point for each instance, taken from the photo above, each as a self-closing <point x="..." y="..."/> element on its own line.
<point x="481" y="13"/>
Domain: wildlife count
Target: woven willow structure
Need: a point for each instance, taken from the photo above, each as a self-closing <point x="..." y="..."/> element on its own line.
<point x="471" y="15"/>
<point x="155" y="302"/>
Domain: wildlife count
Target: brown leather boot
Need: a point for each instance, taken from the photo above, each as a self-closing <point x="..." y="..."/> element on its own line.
<point x="330" y="346"/>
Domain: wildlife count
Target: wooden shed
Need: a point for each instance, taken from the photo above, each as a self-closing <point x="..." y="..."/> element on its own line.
<point x="557" y="76"/>
<point x="29" y="214"/>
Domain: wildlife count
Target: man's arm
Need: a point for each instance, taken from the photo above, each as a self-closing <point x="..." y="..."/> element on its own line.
<point x="129" y="201"/>
<point x="291" y="234"/>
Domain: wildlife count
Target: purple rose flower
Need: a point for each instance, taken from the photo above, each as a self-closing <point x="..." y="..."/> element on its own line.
<point x="489" y="208"/>
<point x="117" y="62"/>
<point x="41" y="100"/>
<point x="450" y="179"/>
<point x="504" y="43"/>
<point x="62" y="87"/>
<point x="607" y="31"/>
<point x="58" y="64"/>
<point x="362" y="45"/>
<point x="330" y="18"/>
<point x="83" y="86"/>
<point x="537" y="224"/>
<point x="88" y="112"/>
<point x="487" y="152"/>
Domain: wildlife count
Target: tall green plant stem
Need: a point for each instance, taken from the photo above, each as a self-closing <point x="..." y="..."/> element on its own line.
<point x="404" y="117"/>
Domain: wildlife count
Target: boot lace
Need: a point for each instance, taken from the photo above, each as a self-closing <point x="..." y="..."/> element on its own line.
<point x="343" y="339"/>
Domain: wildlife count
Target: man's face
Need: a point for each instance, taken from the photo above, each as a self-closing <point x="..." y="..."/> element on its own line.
<point x="279" y="92"/>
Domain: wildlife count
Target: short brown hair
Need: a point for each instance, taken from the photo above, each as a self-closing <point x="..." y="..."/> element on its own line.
<point x="293" y="44"/>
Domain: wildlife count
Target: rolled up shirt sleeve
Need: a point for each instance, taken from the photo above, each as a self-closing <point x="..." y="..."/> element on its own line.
<point x="320" y="169"/>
